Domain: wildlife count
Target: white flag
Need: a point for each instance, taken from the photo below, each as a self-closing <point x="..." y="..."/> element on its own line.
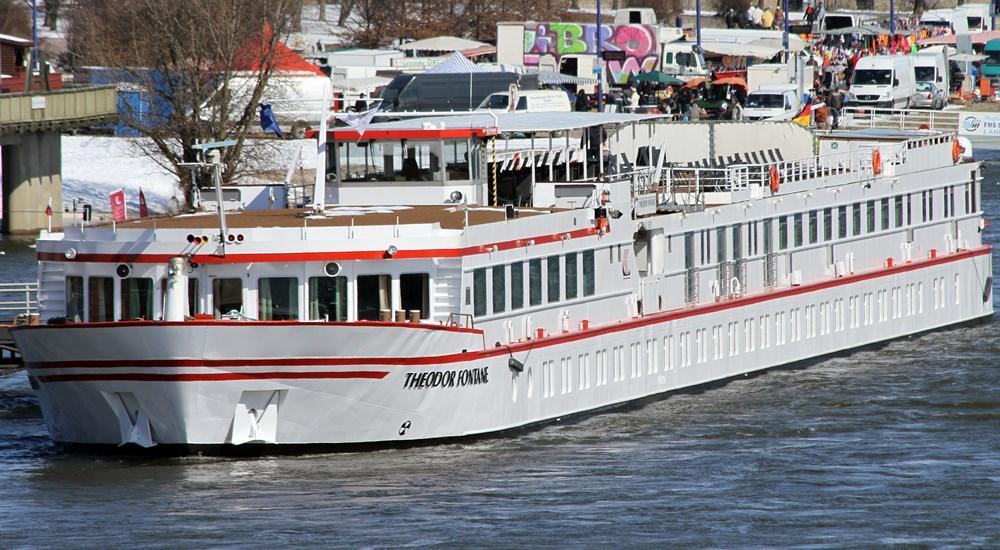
<point x="358" y="121"/>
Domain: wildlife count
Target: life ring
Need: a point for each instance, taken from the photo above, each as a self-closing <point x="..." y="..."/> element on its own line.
<point x="775" y="179"/>
<point x="876" y="161"/>
<point x="956" y="151"/>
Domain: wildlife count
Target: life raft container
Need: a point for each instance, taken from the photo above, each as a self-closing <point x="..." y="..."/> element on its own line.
<point x="775" y="179"/>
<point x="876" y="161"/>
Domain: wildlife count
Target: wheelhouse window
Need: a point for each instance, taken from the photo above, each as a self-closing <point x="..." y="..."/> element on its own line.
<point x="415" y="293"/>
<point x="552" y="268"/>
<point x="479" y="292"/>
<point x="499" y="288"/>
<point x="101" y="299"/>
<point x="74" y="299"/>
<point x="374" y="296"/>
<point x="535" y="282"/>
<point x="516" y="285"/>
<point x="588" y="272"/>
<point x="389" y="161"/>
<point x="571" y="281"/>
<point x="227" y="295"/>
<point x="137" y="298"/>
<point x="456" y="158"/>
<point x="278" y="298"/>
<point x="328" y="298"/>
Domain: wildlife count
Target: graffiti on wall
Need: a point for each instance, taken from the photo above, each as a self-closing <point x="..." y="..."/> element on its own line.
<point x="547" y="43"/>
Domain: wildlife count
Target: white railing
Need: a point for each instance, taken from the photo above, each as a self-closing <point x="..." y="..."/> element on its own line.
<point x="899" y="119"/>
<point x="18" y="300"/>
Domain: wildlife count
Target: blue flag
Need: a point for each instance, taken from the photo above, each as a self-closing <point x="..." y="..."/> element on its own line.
<point x="267" y="120"/>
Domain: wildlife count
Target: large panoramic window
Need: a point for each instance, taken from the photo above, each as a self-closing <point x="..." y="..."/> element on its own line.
<point x="74" y="299"/>
<point x="137" y="298"/>
<point x="374" y="296"/>
<point x="389" y="161"/>
<point x="277" y="298"/>
<point x="415" y="293"/>
<point x="101" y="299"/>
<point x="227" y="296"/>
<point x="328" y="298"/>
<point x="456" y="158"/>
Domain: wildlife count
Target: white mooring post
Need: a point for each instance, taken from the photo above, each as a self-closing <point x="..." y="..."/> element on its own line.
<point x="175" y="306"/>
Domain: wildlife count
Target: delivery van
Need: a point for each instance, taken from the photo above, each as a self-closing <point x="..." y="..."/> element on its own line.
<point x="777" y="102"/>
<point x="931" y="65"/>
<point x="885" y="81"/>
<point x="530" y="101"/>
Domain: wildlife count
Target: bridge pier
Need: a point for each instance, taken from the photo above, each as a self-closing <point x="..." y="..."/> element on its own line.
<point x="32" y="175"/>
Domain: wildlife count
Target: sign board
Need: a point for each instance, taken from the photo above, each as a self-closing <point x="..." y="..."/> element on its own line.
<point x="979" y="124"/>
<point x="618" y="55"/>
<point x="37" y="102"/>
<point x="645" y="204"/>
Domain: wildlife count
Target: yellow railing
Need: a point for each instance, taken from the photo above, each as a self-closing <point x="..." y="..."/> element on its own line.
<point x="57" y="109"/>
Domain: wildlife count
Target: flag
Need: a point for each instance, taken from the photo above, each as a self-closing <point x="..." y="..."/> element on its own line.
<point x="804" y="118"/>
<point x="118" y="205"/>
<point x="48" y="208"/>
<point x="267" y="121"/>
<point x="358" y="121"/>
<point x="143" y="209"/>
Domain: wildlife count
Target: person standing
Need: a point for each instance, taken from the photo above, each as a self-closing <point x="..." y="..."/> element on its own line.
<point x="835" y="101"/>
<point x="582" y="101"/>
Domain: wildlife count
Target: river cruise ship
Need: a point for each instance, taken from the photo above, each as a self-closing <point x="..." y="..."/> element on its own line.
<point x="473" y="274"/>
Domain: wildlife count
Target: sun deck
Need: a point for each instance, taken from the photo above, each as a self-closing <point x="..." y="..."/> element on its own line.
<point x="448" y="216"/>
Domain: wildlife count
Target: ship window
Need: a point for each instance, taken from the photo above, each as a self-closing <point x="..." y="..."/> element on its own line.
<point x="968" y="188"/>
<point x="827" y="224"/>
<point x="899" y="211"/>
<point x="137" y="298"/>
<point x="951" y="195"/>
<point x="535" y="282"/>
<point x="930" y="205"/>
<point x="227" y="295"/>
<point x="479" y="292"/>
<point x="870" y="218"/>
<point x="737" y="241"/>
<point x="856" y="219"/>
<point x="415" y="294"/>
<point x="389" y="161"/>
<point x="923" y="206"/>
<point x="516" y="285"/>
<point x="499" y="289"/>
<point x="571" y="276"/>
<point x="374" y="296"/>
<point x="194" y="298"/>
<point x="885" y="213"/>
<point x="588" y="272"/>
<point x="842" y="221"/>
<point x="277" y="298"/>
<point x="74" y="299"/>
<point x="782" y="233"/>
<point x="909" y="210"/>
<point x="972" y="196"/>
<point x="328" y="298"/>
<point x="552" y="277"/>
<point x="101" y="299"/>
<point x="456" y="156"/>
<point x="798" y="229"/>
<point x="813" y="226"/>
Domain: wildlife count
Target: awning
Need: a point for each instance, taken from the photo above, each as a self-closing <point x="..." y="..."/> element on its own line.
<point x="443" y="44"/>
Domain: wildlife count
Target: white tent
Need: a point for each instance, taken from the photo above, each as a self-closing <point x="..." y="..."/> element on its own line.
<point x="456" y="63"/>
<point x="442" y="44"/>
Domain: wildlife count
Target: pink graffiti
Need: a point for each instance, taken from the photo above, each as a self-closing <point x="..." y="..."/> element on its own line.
<point x="557" y="39"/>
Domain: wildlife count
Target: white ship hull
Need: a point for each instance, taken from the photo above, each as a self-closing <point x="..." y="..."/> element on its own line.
<point x="293" y="384"/>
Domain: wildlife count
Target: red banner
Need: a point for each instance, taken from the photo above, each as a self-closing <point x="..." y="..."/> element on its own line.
<point x="118" y="212"/>
<point x="143" y="209"/>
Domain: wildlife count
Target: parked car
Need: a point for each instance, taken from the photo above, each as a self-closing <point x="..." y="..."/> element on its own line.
<point x="929" y="96"/>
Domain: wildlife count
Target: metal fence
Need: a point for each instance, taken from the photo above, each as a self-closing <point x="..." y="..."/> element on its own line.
<point x="18" y="301"/>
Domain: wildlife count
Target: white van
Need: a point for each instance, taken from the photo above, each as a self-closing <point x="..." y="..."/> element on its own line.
<point x="885" y="81"/>
<point x="777" y="102"/>
<point x="931" y="65"/>
<point x="531" y="101"/>
<point x="682" y="59"/>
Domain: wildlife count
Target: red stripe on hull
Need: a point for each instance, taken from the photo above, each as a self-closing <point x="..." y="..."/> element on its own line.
<point x="210" y="377"/>
<point x="651" y="319"/>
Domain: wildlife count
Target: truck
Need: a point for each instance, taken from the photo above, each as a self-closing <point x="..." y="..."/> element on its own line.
<point x="448" y="92"/>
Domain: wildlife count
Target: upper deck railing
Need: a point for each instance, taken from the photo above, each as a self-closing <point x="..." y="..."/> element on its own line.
<point x="18" y="300"/>
<point x="900" y="119"/>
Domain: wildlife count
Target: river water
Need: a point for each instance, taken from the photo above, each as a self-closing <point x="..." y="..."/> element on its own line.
<point x="893" y="446"/>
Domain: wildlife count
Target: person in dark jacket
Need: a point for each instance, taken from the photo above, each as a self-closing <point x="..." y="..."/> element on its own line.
<point x="582" y="101"/>
<point x="361" y="105"/>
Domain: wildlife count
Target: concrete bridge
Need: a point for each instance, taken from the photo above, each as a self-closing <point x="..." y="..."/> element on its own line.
<point x="30" y="144"/>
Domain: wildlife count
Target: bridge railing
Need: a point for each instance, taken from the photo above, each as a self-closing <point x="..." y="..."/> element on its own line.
<point x="57" y="109"/>
<point x="18" y="300"/>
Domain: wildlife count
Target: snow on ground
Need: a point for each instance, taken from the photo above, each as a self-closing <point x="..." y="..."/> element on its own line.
<point x="95" y="166"/>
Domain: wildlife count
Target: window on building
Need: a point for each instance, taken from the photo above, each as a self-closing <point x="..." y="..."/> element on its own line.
<point x="277" y="298"/>
<point x="856" y="219"/>
<point x="516" y="285"/>
<point x="571" y="276"/>
<point x="552" y="278"/>
<point x="137" y="298"/>
<point x="74" y="299"/>
<point x="328" y="298"/>
<point x="885" y="213"/>
<point x="415" y="293"/>
<point x="535" y="282"/>
<point x="842" y="221"/>
<point x="227" y="296"/>
<point x="101" y="299"/>
<point x="870" y="218"/>
<point x="374" y="296"/>
<point x="588" y="273"/>
<point x="499" y="288"/>
<point x="479" y="292"/>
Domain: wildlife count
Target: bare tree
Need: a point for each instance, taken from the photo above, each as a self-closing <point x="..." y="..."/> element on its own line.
<point x="187" y="56"/>
<point x="15" y="18"/>
<point x="52" y="13"/>
<point x="346" y="7"/>
<point x="322" y="9"/>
